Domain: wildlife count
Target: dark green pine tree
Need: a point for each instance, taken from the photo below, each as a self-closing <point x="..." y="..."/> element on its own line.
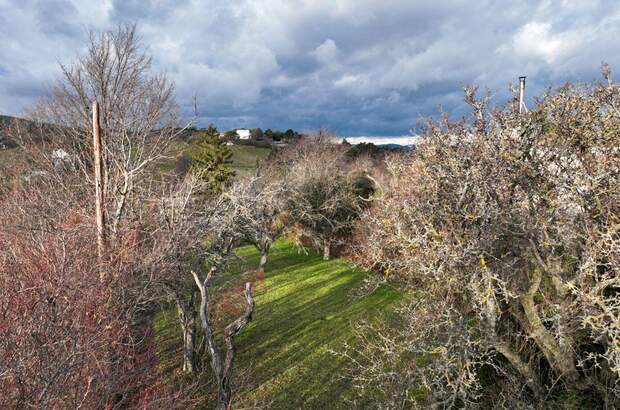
<point x="212" y="162"/>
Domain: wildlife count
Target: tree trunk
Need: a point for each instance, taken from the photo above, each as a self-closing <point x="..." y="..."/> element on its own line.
<point x="229" y="334"/>
<point x="189" y="345"/>
<point x="326" y="249"/>
<point x="263" y="260"/>
<point x="122" y="200"/>
<point x="525" y="370"/>
<point x="264" y="252"/>
<point x="491" y="314"/>
<point x="222" y="371"/>
<point x="187" y="317"/>
<point x="560" y="359"/>
<point x="263" y="247"/>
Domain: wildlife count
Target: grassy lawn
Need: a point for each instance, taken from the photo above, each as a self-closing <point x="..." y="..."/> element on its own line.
<point x="245" y="158"/>
<point x="304" y="308"/>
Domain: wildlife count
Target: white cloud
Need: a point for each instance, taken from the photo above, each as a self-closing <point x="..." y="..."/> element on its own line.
<point x="535" y="40"/>
<point x="347" y="81"/>
<point x="400" y="140"/>
<point x="327" y="52"/>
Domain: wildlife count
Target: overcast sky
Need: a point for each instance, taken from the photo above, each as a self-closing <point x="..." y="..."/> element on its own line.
<point x="358" y="67"/>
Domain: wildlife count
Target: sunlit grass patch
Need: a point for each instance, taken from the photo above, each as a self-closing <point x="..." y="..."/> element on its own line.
<point x="304" y="309"/>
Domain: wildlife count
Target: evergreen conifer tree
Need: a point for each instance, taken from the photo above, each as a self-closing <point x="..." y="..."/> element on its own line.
<point x="212" y="162"/>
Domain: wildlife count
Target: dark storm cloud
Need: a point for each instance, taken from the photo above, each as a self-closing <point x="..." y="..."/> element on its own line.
<point x="355" y="66"/>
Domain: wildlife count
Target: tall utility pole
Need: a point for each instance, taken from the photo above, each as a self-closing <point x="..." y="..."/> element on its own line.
<point x="522" y="107"/>
<point x="99" y="188"/>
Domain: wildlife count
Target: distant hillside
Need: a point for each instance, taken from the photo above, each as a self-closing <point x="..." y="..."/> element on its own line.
<point x="5" y="119"/>
<point x="5" y="122"/>
<point x="395" y="146"/>
<point x="34" y="130"/>
<point x="245" y="157"/>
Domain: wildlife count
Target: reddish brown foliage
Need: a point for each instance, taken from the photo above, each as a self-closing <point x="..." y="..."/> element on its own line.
<point x="65" y="337"/>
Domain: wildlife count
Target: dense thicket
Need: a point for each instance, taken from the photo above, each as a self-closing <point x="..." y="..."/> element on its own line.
<point x="75" y="324"/>
<point x="68" y="339"/>
<point x="506" y="228"/>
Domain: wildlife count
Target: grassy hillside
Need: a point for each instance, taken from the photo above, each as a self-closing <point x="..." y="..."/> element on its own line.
<point x="304" y="308"/>
<point x="244" y="158"/>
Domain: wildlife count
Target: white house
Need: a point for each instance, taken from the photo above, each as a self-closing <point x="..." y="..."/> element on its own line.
<point x="243" y="134"/>
<point x="60" y="156"/>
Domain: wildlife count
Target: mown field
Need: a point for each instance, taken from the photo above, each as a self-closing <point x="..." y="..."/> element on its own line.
<point x="246" y="158"/>
<point x="305" y="308"/>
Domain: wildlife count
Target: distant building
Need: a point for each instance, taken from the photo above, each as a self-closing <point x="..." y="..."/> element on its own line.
<point x="243" y="134"/>
<point x="60" y="156"/>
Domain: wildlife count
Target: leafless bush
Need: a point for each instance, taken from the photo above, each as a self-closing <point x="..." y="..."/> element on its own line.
<point x="512" y="222"/>
<point x="66" y="338"/>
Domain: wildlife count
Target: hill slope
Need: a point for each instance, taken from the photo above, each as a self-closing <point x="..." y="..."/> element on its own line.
<point x="245" y="158"/>
<point x="304" y="308"/>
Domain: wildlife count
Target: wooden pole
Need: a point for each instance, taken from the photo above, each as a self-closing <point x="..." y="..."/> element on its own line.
<point x="99" y="188"/>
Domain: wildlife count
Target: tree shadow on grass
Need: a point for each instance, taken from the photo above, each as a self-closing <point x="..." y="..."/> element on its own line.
<point x="305" y="311"/>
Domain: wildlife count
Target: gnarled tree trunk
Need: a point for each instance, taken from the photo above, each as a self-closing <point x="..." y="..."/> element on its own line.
<point x="561" y="359"/>
<point x="187" y="317"/>
<point x="264" y="252"/>
<point x="491" y="312"/>
<point x="263" y="260"/>
<point x="222" y="368"/>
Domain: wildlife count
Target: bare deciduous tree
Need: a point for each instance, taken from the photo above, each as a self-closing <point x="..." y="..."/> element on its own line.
<point x="137" y="116"/>
<point x="199" y="236"/>
<point x="322" y="198"/>
<point x="79" y="343"/>
<point x="261" y="203"/>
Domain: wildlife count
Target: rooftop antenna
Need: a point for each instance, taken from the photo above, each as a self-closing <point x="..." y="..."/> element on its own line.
<point x="522" y="107"/>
